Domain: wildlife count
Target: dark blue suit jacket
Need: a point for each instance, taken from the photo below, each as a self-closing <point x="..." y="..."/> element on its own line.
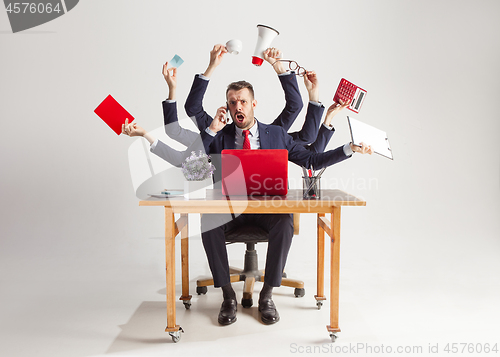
<point x="271" y="137"/>
<point x="307" y="135"/>
<point x="172" y="127"/>
<point x="293" y="106"/>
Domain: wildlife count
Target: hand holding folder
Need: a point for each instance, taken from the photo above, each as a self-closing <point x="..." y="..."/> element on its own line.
<point x="364" y="133"/>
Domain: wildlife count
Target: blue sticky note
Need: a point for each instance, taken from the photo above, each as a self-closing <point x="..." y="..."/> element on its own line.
<point x="176" y="62"/>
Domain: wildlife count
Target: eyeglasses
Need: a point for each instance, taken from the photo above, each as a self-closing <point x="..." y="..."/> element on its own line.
<point x="294" y="66"/>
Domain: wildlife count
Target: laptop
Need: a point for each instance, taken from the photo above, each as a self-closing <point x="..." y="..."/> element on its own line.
<point x="262" y="172"/>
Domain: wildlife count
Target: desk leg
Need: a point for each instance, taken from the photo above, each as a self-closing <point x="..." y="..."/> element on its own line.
<point x="185" y="297"/>
<point x="172" y="328"/>
<point x="334" y="274"/>
<point x="320" y="265"/>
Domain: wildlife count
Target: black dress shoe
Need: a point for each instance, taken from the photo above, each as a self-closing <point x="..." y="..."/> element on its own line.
<point x="269" y="314"/>
<point x="227" y="314"/>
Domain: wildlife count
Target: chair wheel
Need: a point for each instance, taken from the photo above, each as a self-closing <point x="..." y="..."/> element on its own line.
<point x="334" y="337"/>
<point x="284" y="275"/>
<point x="247" y="303"/>
<point x="176" y="336"/>
<point x="187" y="304"/>
<point x="299" y="292"/>
<point x="201" y="290"/>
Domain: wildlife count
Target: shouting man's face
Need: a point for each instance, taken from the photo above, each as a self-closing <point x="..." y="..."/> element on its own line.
<point x="241" y="105"/>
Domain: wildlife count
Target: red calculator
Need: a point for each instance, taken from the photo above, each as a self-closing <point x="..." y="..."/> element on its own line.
<point x="348" y="91"/>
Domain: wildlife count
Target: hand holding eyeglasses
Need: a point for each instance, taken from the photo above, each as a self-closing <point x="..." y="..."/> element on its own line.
<point x="311" y="83"/>
<point x="293" y="66"/>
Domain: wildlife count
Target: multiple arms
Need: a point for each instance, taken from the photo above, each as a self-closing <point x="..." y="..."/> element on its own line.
<point x="194" y="107"/>
<point x="194" y="102"/>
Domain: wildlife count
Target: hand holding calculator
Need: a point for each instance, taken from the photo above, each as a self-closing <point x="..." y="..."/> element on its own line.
<point x="347" y="91"/>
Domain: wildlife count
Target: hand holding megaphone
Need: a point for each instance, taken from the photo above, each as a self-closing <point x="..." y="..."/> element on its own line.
<point x="272" y="55"/>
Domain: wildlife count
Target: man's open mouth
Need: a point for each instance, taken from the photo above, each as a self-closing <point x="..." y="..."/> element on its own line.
<point x="240" y="117"/>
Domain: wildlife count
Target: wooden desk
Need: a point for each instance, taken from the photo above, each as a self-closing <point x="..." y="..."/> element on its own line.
<point x="330" y="203"/>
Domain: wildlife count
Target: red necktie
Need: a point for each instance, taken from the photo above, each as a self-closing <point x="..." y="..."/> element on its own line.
<point x="246" y="141"/>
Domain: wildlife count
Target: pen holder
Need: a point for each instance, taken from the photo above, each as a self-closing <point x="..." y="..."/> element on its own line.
<point x="311" y="187"/>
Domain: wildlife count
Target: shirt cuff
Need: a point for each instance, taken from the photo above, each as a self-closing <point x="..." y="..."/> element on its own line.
<point x="329" y="127"/>
<point x="210" y="132"/>
<point x="170" y="100"/>
<point x="318" y="104"/>
<point x="286" y="73"/>
<point x="153" y="145"/>
<point x="201" y="76"/>
<point x="347" y="150"/>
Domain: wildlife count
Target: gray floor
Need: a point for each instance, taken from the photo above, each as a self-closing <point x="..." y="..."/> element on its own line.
<point x="382" y="306"/>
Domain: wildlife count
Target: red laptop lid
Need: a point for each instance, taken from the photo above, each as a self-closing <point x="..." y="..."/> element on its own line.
<point x="254" y="172"/>
<point x="113" y="114"/>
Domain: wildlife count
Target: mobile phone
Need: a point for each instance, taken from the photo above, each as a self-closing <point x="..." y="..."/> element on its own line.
<point x="228" y="116"/>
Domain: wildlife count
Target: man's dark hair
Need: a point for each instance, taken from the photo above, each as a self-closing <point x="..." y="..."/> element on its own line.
<point x="236" y="86"/>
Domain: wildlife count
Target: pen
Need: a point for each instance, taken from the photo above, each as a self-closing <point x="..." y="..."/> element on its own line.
<point x="304" y="171"/>
<point x="321" y="173"/>
<point x="313" y="181"/>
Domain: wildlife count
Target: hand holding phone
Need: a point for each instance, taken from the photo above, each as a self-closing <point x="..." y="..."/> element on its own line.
<point x="219" y="121"/>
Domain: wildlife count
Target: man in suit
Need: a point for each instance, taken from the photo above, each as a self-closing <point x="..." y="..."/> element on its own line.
<point x="288" y="81"/>
<point x="245" y="132"/>
<point x="192" y="140"/>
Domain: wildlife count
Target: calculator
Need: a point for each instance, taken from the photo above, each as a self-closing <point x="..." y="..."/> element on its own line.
<point x="348" y="91"/>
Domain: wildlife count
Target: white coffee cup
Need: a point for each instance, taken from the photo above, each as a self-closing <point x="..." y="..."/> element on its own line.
<point x="234" y="46"/>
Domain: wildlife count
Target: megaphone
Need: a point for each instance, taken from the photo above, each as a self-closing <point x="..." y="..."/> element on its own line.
<point x="266" y="36"/>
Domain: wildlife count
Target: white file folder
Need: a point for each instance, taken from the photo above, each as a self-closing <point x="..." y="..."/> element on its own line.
<point x="376" y="138"/>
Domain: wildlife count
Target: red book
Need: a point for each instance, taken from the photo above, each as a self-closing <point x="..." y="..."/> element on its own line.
<point x="113" y="114"/>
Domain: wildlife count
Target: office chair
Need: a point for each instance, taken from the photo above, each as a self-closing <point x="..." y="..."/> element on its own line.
<point x="251" y="235"/>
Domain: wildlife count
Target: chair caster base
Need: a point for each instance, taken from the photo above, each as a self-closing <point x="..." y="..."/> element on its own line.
<point x="201" y="290"/>
<point x="299" y="292"/>
<point x="246" y="303"/>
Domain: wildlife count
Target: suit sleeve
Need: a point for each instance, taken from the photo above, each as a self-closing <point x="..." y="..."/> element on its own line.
<point x="306" y="158"/>
<point x="322" y="140"/>
<point x="172" y="127"/>
<point x="194" y="104"/>
<point x="309" y="131"/>
<point x="207" y="141"/>
<point x="176" y="157"/>
<point x="293" y="101"/>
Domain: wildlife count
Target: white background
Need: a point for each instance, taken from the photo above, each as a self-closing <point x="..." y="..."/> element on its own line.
<point x="420" y="263"/>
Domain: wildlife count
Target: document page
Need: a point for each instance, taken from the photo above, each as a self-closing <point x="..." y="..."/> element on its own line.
<point x="361" y="132"/>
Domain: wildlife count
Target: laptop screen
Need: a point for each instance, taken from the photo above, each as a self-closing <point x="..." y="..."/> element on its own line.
<point x="254" y="172"/>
